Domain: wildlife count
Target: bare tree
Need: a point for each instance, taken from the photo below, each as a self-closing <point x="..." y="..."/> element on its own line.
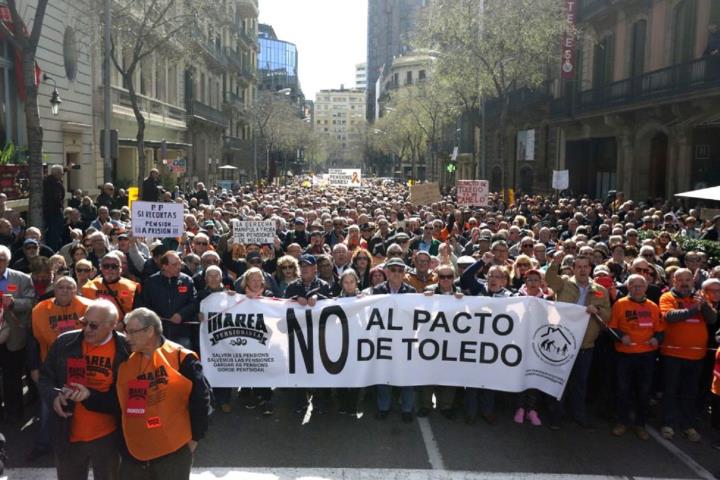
<point x="141" y="28"/>
<point x="26" y="45"/>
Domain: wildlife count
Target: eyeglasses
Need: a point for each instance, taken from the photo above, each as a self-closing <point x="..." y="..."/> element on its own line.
<point x="31" y="247"/>
<point x="90" y="325"/>
<point x="446" y="277"/>
<point x="137" y="330"/>
<point x="288" y="267"/>
<point x="499" y="249"/>
<point x="200" y="243"/>
<point x="83" y="270"/>
<point x="109" y="266"/>
<point x="648" y="255"/>
<point x="642" y="270"/>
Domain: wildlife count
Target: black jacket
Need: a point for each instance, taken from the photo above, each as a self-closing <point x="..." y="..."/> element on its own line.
<point x="54" y="375"/>
<point x="384" y="288"/>
<point x="317" y="287"/>
<point x="150" y="190"/>
<point x="53" y="196"/>
<point x="168" y="296"/>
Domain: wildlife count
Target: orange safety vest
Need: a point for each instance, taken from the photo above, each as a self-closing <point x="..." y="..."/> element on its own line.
<point x="50" y="320"/>
<point x="122" y="293"/>
<point x="164" y="427"/>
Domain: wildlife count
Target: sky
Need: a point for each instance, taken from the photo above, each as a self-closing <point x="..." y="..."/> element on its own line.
<point x="331" y="37"/>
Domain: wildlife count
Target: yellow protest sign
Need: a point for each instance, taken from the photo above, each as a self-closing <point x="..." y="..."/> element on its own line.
<point x="133" y="194"/>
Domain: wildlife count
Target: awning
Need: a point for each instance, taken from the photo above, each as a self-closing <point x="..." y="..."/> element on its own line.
<point x="132" y="142"/>
<point x="712" y="193"/>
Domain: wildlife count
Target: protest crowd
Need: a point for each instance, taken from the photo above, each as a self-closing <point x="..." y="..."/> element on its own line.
<point x="102" y="325"/>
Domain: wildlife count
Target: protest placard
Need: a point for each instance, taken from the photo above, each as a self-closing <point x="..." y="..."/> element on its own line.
<point x="472" y="193"/>
<point x="157" y="219"/>
<point x="424" y="193"/>
<point x="561" y="179"/>
<point x="345" y="177"/>
<point x="247" y="232"/>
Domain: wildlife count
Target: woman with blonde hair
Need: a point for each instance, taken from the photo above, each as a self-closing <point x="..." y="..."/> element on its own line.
<point x="287" y="271"/>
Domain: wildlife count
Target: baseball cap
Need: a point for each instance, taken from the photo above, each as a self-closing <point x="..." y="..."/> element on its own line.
<point x="251" y="256"/>
<point x="307" y="260"/>
<point x="465" y="260"/>
<point x="299" y="221"/>
<point x="30" y="241"/>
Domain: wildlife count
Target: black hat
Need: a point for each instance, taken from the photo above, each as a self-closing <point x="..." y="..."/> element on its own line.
<point x="251" y="256"/>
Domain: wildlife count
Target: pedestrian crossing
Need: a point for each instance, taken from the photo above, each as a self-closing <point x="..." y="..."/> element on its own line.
<point x="340" y="474"/>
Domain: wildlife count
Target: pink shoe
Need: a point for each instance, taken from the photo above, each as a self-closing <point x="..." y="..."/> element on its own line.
<point x="519" y="415"/>
<point x="534" y="419"/>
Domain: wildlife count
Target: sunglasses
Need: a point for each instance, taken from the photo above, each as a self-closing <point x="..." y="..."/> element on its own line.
<point x="90" y="325"/>
<point x="83" y="270"/>
<point x="110" y="266"/>
<point x="446" y="277"/>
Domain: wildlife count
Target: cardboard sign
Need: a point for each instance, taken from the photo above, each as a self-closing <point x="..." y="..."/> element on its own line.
<point x="157" y="219"/>
<point x="424" y="193"/>
<point x="561" y="179"/>
<point x="345" y="177"/>
<point x="254" y="232"/>
<point x="472" y="193"/>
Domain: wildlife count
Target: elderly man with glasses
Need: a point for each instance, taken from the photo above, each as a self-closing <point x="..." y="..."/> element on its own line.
<point x="112" y="286"/>
<point x="78" y="379"/>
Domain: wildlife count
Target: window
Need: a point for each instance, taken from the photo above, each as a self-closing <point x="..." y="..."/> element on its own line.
<point x="8" y="97"/>
<point x="408" y="78"/>
<point x="683" y="33"/>
<point x="637" y="51"/>
<point x="421" y="75"/>
<point x="603" y="61"/>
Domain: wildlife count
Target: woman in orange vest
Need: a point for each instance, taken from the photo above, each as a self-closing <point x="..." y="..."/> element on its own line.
<point x="164" y="402"/>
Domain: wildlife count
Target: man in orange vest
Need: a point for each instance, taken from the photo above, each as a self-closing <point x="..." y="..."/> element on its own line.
<point x="109" y="284"/>
<point x="686" y="315"/>
<point x="78" y="380"/>
<point x="164" y="402"/>
<point x="637" y="325"/>
<point x="51" y="318"/>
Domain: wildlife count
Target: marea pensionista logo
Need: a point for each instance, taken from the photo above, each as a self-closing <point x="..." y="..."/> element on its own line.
<point x="554" y="344"/>
<point x="238" y="327"/>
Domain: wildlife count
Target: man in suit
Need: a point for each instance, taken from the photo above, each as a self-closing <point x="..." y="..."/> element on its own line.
<point x="18" y="298"/>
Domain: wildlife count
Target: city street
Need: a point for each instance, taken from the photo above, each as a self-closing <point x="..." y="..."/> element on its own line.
<point x="244" y="444"/>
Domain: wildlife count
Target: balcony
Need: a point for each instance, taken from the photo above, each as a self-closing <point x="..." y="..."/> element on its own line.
<point x="236" y="103"/>
<point x="208" y="114"/>
<point x="248" y="73"/>
<point x="233" y="59"/>
<point x="657" y="86"/>
<point x="212" y="52"/>
<point x="152" y="106"/>
<point x="238" y="144"/>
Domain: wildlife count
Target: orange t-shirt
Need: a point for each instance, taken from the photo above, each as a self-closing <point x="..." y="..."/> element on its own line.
<point x="686" y="339"/>
<point x="50" y="320"/>
<point x="88" y="425"/>
<point x="122" y="293"/>
<point x="638" y="320"/>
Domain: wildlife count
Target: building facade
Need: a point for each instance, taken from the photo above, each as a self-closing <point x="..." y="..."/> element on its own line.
<point x="390" y="27"/>
<point x="66" y="61"/>
<point x="339" y="119"/>
<point x="640" y="116"/>
<point x="361" y="75"/>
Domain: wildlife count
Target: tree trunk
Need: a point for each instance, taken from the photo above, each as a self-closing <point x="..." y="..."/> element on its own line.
<point x="35" y="143"/>
<point x="140" y="130"/>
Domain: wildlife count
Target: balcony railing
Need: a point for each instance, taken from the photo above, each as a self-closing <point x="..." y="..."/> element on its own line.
<point x="235" y="102"/>
<point x="120" y="96"/>
<point x="234" y="143"/>
<point x="665" y="83"/>
<point x="207" y="113"/>
<point x="233" y="59"/>
<point x="210" y="49"/>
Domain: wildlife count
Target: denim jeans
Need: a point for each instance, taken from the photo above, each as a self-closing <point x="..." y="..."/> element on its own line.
<point x="43" y="437"/>
<point x="384" y="398"/>
<point x="681" y="379"/>
<point x="576" y="389"/>
<point x="634" y="373"/>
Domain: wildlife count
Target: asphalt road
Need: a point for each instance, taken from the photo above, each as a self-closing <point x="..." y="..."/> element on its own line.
<point x="339" y="446"/>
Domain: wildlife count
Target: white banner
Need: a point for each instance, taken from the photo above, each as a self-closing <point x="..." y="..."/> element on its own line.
<point x="247" y="232"/>
<point x="157" y="219"/>
<point x="345" y="177"/>
<point x="561" y="179"/>
<point x="472" y="193"/>
<point x="508" y="344"/>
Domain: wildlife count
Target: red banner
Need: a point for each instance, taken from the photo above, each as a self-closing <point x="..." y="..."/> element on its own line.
<point x="567" y="70"/>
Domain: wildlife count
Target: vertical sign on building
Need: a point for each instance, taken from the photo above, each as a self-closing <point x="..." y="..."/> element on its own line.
<point x="568" y="42"/>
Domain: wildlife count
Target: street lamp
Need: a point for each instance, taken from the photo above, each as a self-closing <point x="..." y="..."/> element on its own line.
<point x="55" y="98"/>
